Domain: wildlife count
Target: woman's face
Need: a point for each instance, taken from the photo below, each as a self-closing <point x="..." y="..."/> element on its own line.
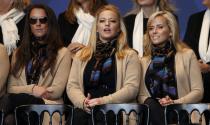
<point x="146" y="2"/>
<point x="159" y="31"/>
<point x="108" y="25"/>
<point x="206" y="3"/>
<point x="38" y="22"/>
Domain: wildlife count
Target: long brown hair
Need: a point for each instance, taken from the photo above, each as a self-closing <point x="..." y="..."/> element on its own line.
<point x="74" y="5"/>
<point x="53" y="40"/>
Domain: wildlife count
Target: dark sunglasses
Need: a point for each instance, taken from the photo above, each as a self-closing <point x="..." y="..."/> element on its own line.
<point x="42" y="20"/>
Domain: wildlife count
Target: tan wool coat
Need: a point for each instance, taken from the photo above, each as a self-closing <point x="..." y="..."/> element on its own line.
<point x="188" y="76"/>
<point x="127" y="83"/>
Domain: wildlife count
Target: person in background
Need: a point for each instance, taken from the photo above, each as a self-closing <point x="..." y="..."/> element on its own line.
<point x="197" y="36"/>
<point x="106" y="70"/>
<point x="76" y="22"/>
<point x="40" y="66"/>
<point x="136" y="20"/>
<point x="171" y="74"/>
<point x="11" y="23"/>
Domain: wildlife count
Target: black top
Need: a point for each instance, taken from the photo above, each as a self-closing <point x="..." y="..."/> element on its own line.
<point x="129" y="24"/>
<point x="107" y="81"/>
<point x="20" y="26"/>
<point x="67" y="29"/>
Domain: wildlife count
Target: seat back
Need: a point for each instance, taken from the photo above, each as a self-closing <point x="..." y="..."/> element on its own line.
<point x="39" y="110"/>
<point x="186" y="108"/>
<point x="1" y="117"/>
<point x="141" y="111"/>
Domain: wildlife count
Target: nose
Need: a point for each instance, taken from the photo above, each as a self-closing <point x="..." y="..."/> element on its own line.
<point x="107" y="22"/>
<point x="154" y="30"/>
<point x="38" y="22"/>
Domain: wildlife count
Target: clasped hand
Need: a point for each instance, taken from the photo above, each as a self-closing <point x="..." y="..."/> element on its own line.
<point x="166" y="101"/>
<point x="90" y="103"/>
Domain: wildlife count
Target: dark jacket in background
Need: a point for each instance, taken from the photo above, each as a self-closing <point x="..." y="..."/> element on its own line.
<point x="192" y="37"/>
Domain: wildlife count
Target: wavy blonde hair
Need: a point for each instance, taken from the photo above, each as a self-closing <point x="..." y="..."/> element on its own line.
<point x="122" y="45"/>
<point x="173" y="27"/>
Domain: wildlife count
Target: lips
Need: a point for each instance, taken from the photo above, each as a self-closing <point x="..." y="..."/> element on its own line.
<point x="107" y="30"/>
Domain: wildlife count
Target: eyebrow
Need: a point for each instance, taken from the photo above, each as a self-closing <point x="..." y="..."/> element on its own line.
<point x="38" y="16"/>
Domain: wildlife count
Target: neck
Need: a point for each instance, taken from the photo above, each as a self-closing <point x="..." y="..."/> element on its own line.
<point x="161" y="45"/>
<point x="86" y="7"/>
<point x="148" y="10"/>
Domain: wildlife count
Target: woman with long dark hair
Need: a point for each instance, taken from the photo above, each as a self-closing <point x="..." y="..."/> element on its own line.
<point x="41" y="65"/>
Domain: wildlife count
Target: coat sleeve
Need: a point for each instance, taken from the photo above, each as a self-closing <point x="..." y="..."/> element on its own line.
<point x="4" y="66"/>
<point x="130" y="82"/>
<point x="74" y="88"/>
<point x="195" y="80"/>
<point x="61" y="77"/>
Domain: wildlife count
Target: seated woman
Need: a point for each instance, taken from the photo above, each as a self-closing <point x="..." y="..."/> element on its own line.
<point x="4" y="66"/>
<point x="107" y="70"/>
<point x="41" y="65"/>
<point x="170" y="70"/>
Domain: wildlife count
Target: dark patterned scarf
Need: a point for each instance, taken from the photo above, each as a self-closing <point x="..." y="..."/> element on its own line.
<point x="33" y="68"/>
<point x="103" y="54"/>
<point x="160" y="76"/>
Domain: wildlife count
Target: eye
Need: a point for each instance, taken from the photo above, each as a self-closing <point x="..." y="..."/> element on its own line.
<point x="160" y="27"/>
<point x="150" y="28"/>
<point x="101" y="20"/>
<point x="113" y="21"/>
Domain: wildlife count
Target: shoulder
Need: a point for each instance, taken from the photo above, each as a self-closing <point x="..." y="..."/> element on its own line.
<point x="3" y="50"/>
<point x="2" y="47"/>
<point x="186" y="53"/>
<point x="130" y="18"/>
<point x="63" y="51"/>
<point x="131" y="52"/>
<point x="198" y="15"/>
<point x="61" y="15"/>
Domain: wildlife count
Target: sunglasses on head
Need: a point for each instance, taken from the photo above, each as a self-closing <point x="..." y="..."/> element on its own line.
<point x="42" y="20"/>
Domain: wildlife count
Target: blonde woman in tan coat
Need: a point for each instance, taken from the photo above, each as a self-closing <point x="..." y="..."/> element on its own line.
<point x="171" y="74"/>
<point x="107" y="70"/>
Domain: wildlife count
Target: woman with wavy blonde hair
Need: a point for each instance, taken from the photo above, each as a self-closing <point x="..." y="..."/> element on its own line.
<point x="171" y="74"/>
<point x="107" y="70"/>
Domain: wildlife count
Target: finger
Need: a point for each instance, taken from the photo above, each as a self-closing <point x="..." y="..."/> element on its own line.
<point x="88" y="96"/>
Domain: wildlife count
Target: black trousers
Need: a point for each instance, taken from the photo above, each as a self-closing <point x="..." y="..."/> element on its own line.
<point x="10" y="101"/>
<point x="83" y="118"/>
<point x="156" y="112"/>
